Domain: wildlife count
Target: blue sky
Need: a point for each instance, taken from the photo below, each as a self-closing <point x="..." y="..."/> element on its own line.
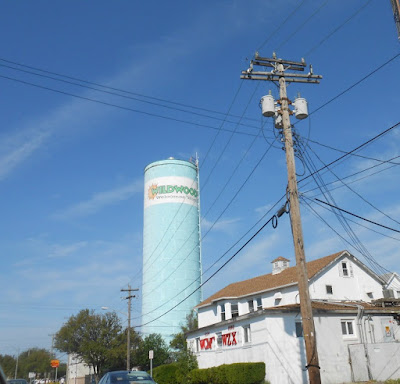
<point x="71" y="169"/>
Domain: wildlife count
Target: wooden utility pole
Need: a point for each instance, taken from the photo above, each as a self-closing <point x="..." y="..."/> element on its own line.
<point x="396" y="15"/>
<point x="278" y="74"/>
<point x="128" y="335"/>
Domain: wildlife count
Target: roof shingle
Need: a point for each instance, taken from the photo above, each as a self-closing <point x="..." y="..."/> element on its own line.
<point x="269" y="281"/>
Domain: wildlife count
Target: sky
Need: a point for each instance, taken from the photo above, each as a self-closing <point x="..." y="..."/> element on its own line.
<point x="92" y="92"/>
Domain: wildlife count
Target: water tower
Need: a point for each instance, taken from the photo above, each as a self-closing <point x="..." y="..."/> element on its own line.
<point x="171" y="245"/>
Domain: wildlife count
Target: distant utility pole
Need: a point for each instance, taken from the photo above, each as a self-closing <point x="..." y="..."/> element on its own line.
<point x="278" y="74"/>
<point x="396" y="14"/>
<point x="128" y="346"/>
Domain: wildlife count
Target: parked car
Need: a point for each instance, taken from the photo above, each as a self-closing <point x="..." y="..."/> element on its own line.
<point x="127" y="377"/>
<point x="17" y="381"/>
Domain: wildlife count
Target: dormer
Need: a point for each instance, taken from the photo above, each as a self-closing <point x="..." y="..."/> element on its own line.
<point x="279" y="264"/>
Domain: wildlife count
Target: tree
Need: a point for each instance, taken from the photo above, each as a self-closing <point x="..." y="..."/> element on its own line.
<point x="91" y="337"/>
<point x="184" y="357"/>
<point x="8" y="363"/>
<point x="153" y="342"/>
<point x="117" y="358"/>
<point x="32" y="360"/>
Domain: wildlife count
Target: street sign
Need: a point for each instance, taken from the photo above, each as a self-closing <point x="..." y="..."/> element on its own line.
<point x="151" y="354"/>
<point x="55" y="363"/>
<point x="32" y="375"/>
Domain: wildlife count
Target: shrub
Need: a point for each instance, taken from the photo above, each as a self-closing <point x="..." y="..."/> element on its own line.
<point x="239" y="373"/>
<point x="165" y="374"/>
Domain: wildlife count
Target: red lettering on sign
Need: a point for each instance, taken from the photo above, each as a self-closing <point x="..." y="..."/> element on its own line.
<point x="206" y="343"/>
<point x="229" y="339"/>
<point x="233" y="338"/>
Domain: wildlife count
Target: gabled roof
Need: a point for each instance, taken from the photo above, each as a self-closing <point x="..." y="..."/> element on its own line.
<point x="267" y="282"/>
<point x="389" y="277"/>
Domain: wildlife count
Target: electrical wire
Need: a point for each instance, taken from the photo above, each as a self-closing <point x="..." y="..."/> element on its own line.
<point x="123" y="108"/>
<point x="355" y="174"/>
<point x="280" y="25"/>
<point x="356" y="193"/>
<point x="131" y="97"/>
<point x="364" y="5"/>
<point x="303" y="24"/>
<point x="353" y="154"/>
<point x="359" y="217"/>
<point x="353" y="85"/>
<point x="342" y="220"/>
<point x="209" y="278"/>
<point x="352" y="151"/>
<point x="119" y="89"/>
<point x="215" y="221"/>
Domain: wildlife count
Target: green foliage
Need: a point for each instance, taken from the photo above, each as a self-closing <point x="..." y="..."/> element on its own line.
<point x="8" y="364"/>
<point x="153" y="342"/>
<point x="392" y="381"/>
<point x="179" y="341"/>
<point x="165" y="374"/>
<point x="239" y="373"/>
<point x="184" y="357"/>
<point x="91" y="337"/>
<point x="32" y="360"/>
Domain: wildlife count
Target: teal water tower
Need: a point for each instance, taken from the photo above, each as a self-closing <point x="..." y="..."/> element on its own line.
<point x="171" y="246"/>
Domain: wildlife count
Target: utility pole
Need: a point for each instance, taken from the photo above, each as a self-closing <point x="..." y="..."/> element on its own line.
<point x="278" y="74"/>
<point x="128" y="344"/>
<point x="396" y="14"/>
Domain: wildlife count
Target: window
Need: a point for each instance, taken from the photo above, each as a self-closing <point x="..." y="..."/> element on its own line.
<point x="251" y="305"/>
<point x="219" y="339"/>
<point x="259" y="303"/>
<point x="222" y="312"/>
<point x="329" y="289"/>
<point x="370" y="295"/>
<point x="246" y="334"/>
<point x="234" y="310"/>
<point x="299" y="329"/>
<point x="277" y="301"/>
<point x="197" y="344"/>
<point x="347" y="328"/>
<point x="345" y="271"/>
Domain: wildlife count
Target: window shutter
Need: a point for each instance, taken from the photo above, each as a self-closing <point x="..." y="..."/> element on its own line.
<point x="351" y="269"/>
<point x="340" y="269"/>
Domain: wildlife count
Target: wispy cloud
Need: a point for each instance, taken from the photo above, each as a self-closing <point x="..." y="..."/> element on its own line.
<point x="19" y="148"/>
<point x="100" y="200"/>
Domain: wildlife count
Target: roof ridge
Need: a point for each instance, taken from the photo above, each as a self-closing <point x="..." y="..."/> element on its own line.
<point x="270" y="281"/>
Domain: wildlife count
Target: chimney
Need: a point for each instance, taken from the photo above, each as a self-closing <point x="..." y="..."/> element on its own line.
<point x="279" y="264"/>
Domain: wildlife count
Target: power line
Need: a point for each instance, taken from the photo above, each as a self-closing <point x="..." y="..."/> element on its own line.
<point x="118" y="89"/>
<point x="352" y="190"/>
<point x="130" y="97"/>
<point x="355" y="84"/>
<point x="219" y="269"/>
<point x="352" y="151"/>
<point x="354" y="174"/>
<point x="353" y="221"/>
<point x="280" y="25"/>
<point x="337" y="28"/>
<point x="359" y="217"/>
<point x="303" y="24"/>
<point x="121" y="107"/>
<point x="353" y="154"/>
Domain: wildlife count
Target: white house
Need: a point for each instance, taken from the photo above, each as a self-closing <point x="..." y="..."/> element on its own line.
<point x="392" y="285"/>
<point x="77" y="371"/>
<point x="259" y="320"/>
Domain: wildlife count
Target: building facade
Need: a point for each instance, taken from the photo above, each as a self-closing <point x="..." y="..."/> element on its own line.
<point x="259" y="320"/>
